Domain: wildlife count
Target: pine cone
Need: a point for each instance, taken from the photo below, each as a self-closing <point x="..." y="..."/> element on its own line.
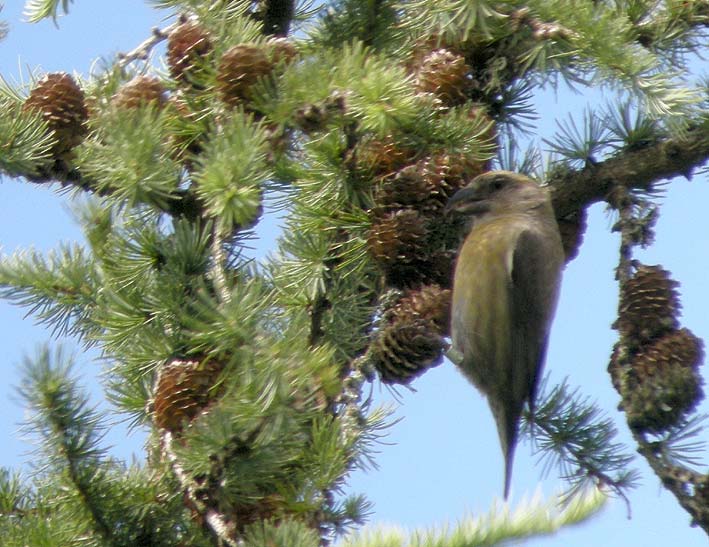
<point x="141" y="91"/>
<point x="61" y="102"/>
<point x="433" y="269"/>
<point x="444" y="74"/>
<point x="281" y="50"/>
<point x="239" y="69"/>
<point x="381" y="157"/>
<point x="427" y="303"/>
<point x="187" y="44"/>
<point x="679" y="348"/>
<point x="438" y="269"/>
<point x="663" y="383"/>
<point x="398" y="237"/>
<point x="184" y="388"/>
<point x="445" y="174"/>
<point x="423" y="47"/>
<point x="649" y="305"/>
<point x="406" y="188"/>
<point x="406" y="349"/>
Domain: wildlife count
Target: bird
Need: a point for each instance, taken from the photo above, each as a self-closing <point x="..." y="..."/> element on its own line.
<point x="505" y="292"/>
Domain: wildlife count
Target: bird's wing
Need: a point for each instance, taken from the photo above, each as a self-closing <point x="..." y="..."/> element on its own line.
<point x="534" y="272"/>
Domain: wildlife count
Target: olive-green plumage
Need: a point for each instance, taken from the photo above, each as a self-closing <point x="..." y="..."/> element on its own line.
<point x="505" y="291"/>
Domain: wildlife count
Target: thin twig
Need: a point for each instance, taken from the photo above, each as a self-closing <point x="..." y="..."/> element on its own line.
<point x="142" y="52"/>
<point x="541" y="30"/>
<point x="216" y="521"/>
<point x="581" y="459"/>
<point x="219" y="266"/>
<point x="681" y="481"/>
<point x="350" y="398"/>
<point x="621" y="200"/>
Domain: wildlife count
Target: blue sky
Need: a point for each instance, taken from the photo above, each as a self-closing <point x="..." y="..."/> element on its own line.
<point x="442" y="460"/>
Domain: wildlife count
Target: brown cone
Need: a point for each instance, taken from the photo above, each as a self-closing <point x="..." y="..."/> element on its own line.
<point x="406" y="188"/>
<point x="679" y="348"/>
<point x="381" y="157"/>
<point x="424" y="46"/>
<point x="281" y="50"/>
<point x="398" y="237"/>
<point x="184" y="388"/>
<point x="446" y="173"/>
<point x="649" y="304"/>
<point x="239" y="69"/>
<point x="141" y="91"/>
<point x="444" y="74"/>
<point x="187" y="44"/>
<point x="406" y="349"/>
<point x="427" y="303"/>
<point x="62" y="104"/>
<point x="435" y="268"/>
<point x="663" y="383"/>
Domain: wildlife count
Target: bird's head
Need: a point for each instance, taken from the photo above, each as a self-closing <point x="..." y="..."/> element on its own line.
<point x="497" y="192"/>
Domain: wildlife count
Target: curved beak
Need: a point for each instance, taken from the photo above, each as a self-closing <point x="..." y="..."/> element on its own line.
<point x="465" y="200"/>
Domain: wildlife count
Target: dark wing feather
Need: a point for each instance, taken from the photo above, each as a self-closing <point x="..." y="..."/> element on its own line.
<point x="535" y="272"/>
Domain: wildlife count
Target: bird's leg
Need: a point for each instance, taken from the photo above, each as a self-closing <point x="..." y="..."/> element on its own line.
<point x="455" y="356"/>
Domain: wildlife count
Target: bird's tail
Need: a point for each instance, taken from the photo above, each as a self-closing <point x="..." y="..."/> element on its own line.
<point x="509" y="452"/>
<point x="507" y="418"/>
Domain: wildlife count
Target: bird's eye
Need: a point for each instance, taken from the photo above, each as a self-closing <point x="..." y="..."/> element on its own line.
<point x="497" y="184"/>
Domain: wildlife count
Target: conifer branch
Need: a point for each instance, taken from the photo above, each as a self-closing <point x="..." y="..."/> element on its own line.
<point x="142" y="51"/>
<point x="570" y="432"/>
<point x="25" y="140"/>
<point x="57" y="289"/>
<point x="36" y="10"/>
<point x="71" y="431"/>
<point x="638" y="169"/>
<point x="541" y="30"/>
<point x="317" y="310"/>
<point x="216" y="522"/>
<point x="181" y="203"/>
<point x="681" y="18"/>
<point x="501" y="525"/>
<point x="259" y="450"/>
<point x="691" y="489"/>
